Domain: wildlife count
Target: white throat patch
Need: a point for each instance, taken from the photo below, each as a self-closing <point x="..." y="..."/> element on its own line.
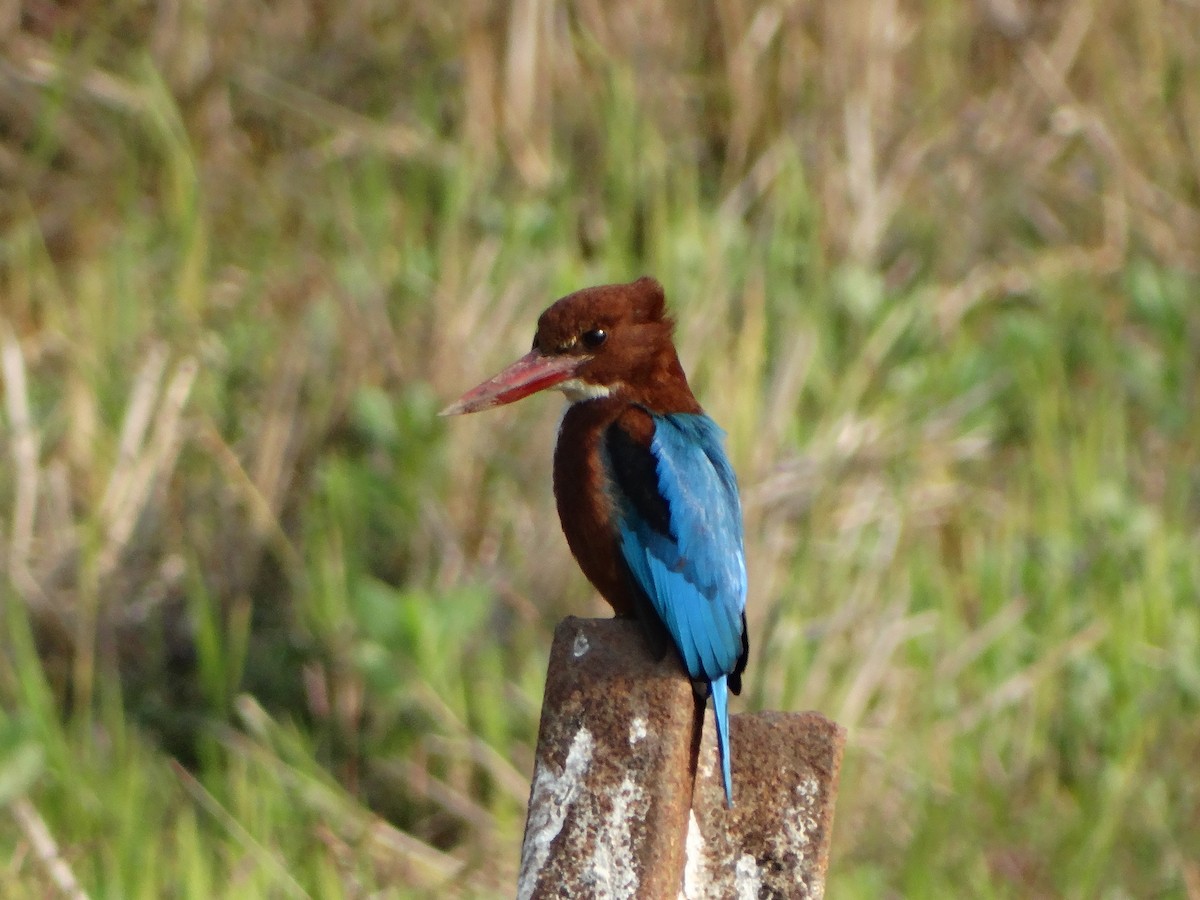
<point x="576" y="390"/>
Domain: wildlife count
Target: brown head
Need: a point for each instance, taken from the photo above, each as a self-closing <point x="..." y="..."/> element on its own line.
<point x="607" y="341"/>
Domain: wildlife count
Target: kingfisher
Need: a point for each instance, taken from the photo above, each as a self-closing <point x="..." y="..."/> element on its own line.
<point x="645" y="493"/>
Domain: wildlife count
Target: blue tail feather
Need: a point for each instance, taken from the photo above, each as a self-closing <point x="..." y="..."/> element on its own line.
<point x="720" y="695"/>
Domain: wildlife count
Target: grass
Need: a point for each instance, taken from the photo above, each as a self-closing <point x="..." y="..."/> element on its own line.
<point x="271" y="628"/>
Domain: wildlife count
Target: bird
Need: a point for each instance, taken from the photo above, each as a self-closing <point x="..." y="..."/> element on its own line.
<point x="646" y="496"/>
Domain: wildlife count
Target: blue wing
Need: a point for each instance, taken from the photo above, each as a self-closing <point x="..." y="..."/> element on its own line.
<point x="679" y="520"/>
<point x="680" y="529"/>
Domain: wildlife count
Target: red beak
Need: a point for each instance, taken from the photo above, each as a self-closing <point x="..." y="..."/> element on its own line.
<point x="531" y="373"/>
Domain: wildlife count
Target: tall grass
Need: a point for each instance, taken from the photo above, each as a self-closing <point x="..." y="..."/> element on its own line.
<point x="271" y="628"/>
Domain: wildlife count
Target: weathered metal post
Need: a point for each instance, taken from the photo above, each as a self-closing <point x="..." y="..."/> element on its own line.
<point x="616" y="810"/>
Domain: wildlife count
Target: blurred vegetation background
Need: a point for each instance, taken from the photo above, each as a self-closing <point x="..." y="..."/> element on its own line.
<point x="271" y="628"/>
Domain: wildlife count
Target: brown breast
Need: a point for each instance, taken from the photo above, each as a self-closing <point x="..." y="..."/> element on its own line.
<point x="584" y="505"/>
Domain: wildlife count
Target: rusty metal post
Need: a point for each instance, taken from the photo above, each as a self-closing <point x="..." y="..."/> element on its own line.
<point x="775" y="840"/>
<point x="617" y="808"/>
<point x="608" y="808"/>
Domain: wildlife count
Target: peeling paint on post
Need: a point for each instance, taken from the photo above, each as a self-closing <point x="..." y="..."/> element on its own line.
<point x="613" y="811"/>
<point x="775" y="841"/>
<point x="608" y="807"/>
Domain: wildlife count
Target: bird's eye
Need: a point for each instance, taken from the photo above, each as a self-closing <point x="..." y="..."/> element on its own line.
<point x="594" y="338"/>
